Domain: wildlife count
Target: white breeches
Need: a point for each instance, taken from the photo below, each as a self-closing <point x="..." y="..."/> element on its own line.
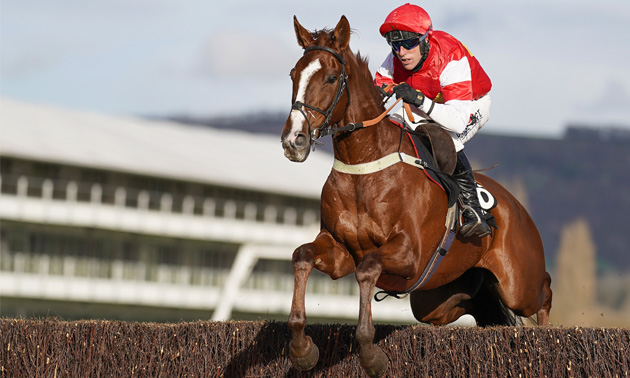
<point x="479" y="116"/>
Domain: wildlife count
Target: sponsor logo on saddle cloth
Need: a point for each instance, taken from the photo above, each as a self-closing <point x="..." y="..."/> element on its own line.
<point x="486" y="199"/>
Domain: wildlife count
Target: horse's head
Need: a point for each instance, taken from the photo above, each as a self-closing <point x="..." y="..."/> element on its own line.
<point x="320" y="88"/>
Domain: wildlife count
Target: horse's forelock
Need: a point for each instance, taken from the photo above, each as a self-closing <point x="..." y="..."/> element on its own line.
<point x="322" y="37"/>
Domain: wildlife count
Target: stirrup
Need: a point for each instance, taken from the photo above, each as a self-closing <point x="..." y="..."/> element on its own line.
<point x="474" y="229"/>
<point x="464" y="208"/>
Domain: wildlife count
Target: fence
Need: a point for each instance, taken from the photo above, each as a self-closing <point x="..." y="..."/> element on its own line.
<point x="50" y="348"/>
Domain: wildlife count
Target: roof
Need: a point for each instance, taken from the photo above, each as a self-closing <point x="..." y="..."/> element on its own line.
<point x="158" y="148"/>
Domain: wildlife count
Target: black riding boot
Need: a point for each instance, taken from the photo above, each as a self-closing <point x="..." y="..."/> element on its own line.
<point x="474" y="223"/>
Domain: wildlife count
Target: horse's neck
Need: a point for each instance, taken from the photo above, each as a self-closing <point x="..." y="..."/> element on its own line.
<point x="370" y="143"/>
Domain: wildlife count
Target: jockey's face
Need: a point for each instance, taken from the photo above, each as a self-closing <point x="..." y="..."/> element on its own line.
<point x="409" y="58"/>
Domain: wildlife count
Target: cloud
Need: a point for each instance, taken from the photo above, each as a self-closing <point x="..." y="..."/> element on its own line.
<point x="237" y="54"/>
<point x="549" y="61"/>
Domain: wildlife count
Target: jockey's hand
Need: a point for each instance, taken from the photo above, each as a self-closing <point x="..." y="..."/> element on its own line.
<point x="408" y="94"/>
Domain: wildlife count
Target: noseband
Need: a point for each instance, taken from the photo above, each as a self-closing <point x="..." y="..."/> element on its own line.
<point x="342" y="86"/>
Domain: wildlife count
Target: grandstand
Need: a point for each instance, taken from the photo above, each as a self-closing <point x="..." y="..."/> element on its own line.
<point x="127" y="218"/>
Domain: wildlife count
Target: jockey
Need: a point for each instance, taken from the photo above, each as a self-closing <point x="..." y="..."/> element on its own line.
<point x="444" y="83"/>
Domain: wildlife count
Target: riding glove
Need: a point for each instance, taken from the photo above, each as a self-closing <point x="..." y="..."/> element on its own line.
<point x="409" y="95"/>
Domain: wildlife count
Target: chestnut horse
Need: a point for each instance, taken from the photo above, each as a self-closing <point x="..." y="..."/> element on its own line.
<point x="384" y="226"/>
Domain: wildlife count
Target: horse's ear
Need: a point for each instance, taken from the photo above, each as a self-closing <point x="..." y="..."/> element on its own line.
<point x="341" y="33"/>
<point x="304" y="37"/>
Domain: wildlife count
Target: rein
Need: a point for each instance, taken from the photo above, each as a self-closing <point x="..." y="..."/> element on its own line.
<point x="355" y="126"/>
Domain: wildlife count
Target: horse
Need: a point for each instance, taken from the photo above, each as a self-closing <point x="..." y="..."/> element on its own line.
<point x="383" y="226"/>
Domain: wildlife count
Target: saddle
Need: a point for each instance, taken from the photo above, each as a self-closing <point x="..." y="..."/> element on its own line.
<point x="435" y="149"/>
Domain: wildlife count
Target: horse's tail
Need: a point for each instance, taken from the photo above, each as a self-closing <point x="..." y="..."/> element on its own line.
<point x="489" y="309"/>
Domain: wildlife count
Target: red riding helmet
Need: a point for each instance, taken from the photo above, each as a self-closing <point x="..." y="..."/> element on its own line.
<point x="407" y="18"/>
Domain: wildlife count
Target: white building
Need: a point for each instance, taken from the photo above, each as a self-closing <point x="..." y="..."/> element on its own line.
<point x="118" y="217"/>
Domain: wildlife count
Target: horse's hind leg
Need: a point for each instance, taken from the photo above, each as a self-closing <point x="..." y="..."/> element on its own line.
<point x="446" y="303"/>
<point x="325" y="255"/>
<point x="488" y="308"/>
<point x="517" y="261"/>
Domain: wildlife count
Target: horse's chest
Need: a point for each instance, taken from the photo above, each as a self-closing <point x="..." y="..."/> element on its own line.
<point x="359" y="231"/>
<point x="354" y="216"/>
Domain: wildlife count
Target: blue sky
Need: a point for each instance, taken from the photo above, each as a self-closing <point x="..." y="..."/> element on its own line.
<point x="551" y="62"/>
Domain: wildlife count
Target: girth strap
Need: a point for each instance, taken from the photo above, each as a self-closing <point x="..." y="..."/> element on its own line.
<point x="377" y="165"/>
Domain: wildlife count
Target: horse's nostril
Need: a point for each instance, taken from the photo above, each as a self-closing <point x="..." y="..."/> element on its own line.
<point x="301" y="140"/>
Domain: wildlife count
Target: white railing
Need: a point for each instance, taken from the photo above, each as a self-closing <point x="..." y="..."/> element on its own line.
<point x="119" y="270"/>
<point x="47" y="201"/>
<point x="71" y="191"/>
<point x="71" y="278"/>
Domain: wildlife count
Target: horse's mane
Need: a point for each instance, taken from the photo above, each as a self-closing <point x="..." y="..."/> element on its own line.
<point x="323" y="38"/>
<point x="362" y="63"/>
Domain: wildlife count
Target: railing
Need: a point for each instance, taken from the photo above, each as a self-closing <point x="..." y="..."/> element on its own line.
<point x="143" y="200"/>
<point x="79" y="204"/>
<point x="137" y="271"/>
<point x="117" y="270"/>
<point x="80" y="279"/>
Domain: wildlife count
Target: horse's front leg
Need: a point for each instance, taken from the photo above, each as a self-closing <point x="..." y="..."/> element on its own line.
<point x="373" y="359"/>
<point x="303" y="353"/>
<point x="326" y="255"/>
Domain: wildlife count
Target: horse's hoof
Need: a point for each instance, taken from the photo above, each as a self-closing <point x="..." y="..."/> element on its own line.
<point x="304" y="359"/>
<point x="376" y="363"/>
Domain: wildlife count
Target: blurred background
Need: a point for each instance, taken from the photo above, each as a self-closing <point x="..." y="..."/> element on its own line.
<point x="142" y="176"/>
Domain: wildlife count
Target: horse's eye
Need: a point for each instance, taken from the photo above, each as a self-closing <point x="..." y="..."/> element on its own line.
<point x="331" y="79"/>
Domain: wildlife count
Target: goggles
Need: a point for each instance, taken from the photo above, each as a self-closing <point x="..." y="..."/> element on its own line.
<point x="408" y="44"/>
<point x="400" y="38"/>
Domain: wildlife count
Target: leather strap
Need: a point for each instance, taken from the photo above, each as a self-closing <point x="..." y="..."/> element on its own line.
<point x="378" y="119"/>
<point x="377" y="165"/>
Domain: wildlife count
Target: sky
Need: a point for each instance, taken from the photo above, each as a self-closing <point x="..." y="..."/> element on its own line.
<point x="552" y="63"/>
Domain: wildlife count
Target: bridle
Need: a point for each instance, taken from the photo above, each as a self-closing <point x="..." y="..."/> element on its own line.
<point x="342" y="85"/>
<point x="325" y="128"/>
